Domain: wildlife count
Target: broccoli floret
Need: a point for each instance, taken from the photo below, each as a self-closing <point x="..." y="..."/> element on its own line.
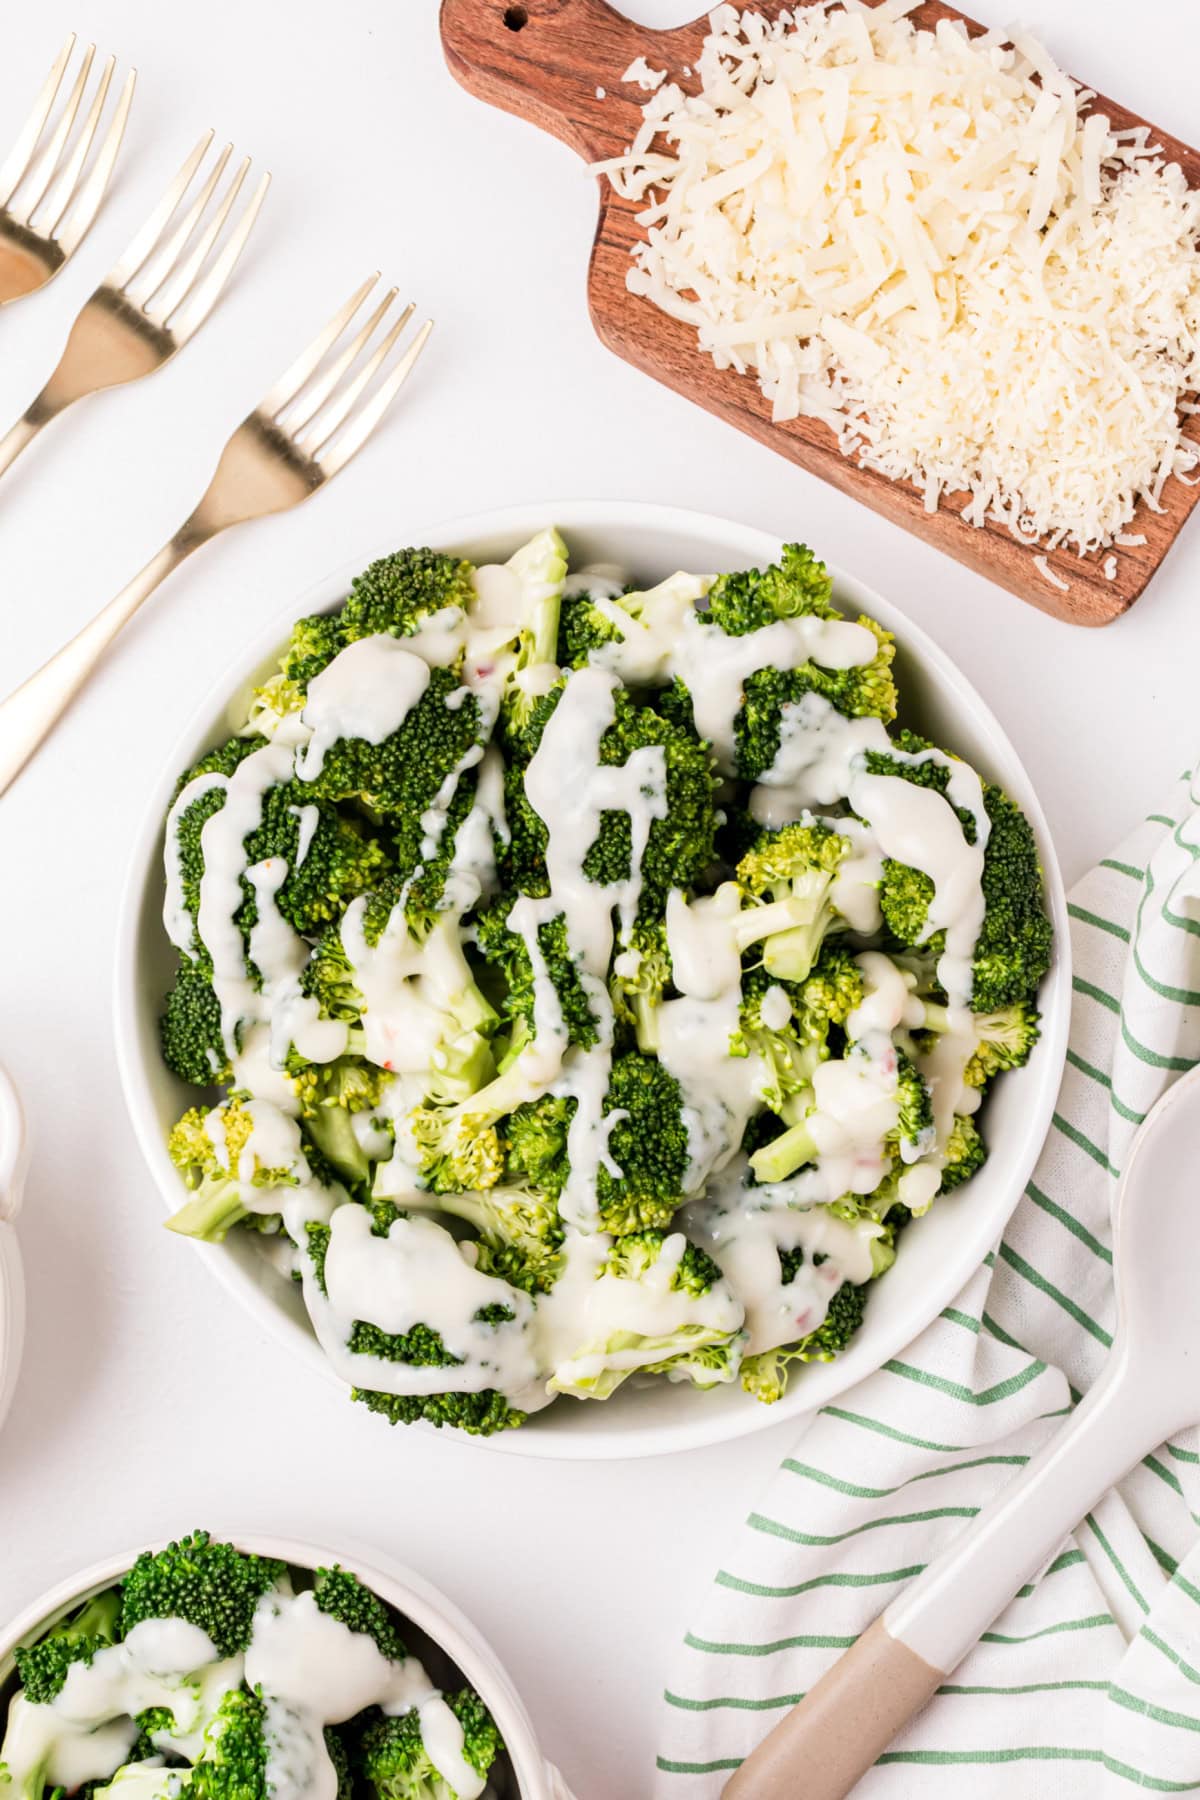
<point x="215" y="1587"/>
<point x="787" y="879"/>
<point x="640" y="977"/>
<point x="329" y="859"/>
<point x="401" y="593"/>
<point x="329" y="1096"/>
<point x="400" y="778"/>
<point x="188" y="824"/>
<point x="648" y="1144"/>
<point x="789" y="1050"/>
<point x="395" y="1764"/>
<point x="864" y="690"/>
<point x="508" y="950"/>
<point x="748" y="599"/>
<point x="1013" y="949"/>
<point x="766" y="1375"/>
<point x="234" y="1764"/>
<point x="1006" y="1041"/>
<point x="834" y="988"/>
<point x="479" y="1415"/>
<point x="965" y="1152"/>
<point x="634" y="632"/>
<point x="210" y="1149"/>
<point x="783" y="1155"/>
<point x="540" y="567"/>
<point x="913" y="1135"/>
<point x="397" y="595"/>
<point x="193" y="1044"/>
<point x="537" y="1142"/>
<point x="342" y="1596"/>
<point x="338" y="1752"/>
<point x="702" y="1345"/>
<point x="521" y="1232"/>
<point x="44" y="1666"/>
<point x="314" y="642"/>
<point x="679" y="846"/>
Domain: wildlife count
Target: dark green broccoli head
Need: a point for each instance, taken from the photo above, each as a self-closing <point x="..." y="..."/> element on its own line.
<point x="393" y="1761"/>
<point x="400" y="593"/>
<point x="188" y="824"/>
<point x="508" y="951"/>
<point x="396" y="596"/>
<point x="639" y="982"/>
<point x="479" y="1415"/>
<point x="679" y="847"/>
<point x="750" y="599"/>
<point x="536" y="1143"/>
<point x="330" y="859"/>
<point x="1013" y="950"/>
<point x="342" y="1596"/>
<point x="215" y="1587"/>
<point x="648" y="1144"/>
<point x="582" y="628"/>
<point x="193" y="1044"/>
<point x="866" y="690"/>
<point x="44" y="1666"/>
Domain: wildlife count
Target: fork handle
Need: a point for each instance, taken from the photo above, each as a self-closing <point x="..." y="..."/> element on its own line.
<point x="30" y="712"/>
<point x="15" y="440"/>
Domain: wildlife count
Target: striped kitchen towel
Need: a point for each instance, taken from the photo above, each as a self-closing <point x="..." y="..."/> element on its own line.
<point x="1089" y="1684"/>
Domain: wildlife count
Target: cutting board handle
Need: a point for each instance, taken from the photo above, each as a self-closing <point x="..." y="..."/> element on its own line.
<point x="557" y="63"/>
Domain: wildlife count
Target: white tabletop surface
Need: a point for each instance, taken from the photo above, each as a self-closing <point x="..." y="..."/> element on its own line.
<point x="147" y="1403"/>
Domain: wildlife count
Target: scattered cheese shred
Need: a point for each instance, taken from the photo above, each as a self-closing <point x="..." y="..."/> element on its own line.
<point x="1043" y="568"/>
<point x="1129" y="538"/>
<point x="927" y="241"/>
<point x="643" y="76"/>
<point x="1110" y="568"/>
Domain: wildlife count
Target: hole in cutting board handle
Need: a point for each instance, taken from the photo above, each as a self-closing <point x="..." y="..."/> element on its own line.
<point x="516" y="18"/>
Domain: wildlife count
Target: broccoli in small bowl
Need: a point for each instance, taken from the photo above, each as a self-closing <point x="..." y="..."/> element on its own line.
<point x="208" y="1670"/>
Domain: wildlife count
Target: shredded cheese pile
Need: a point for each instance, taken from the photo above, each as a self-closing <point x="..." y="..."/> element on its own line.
<point x="931" y="244"/>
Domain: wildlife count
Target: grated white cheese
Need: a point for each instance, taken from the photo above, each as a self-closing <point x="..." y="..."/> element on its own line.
<point x="926" y="241"/>
<point x="1129" y="538"/>
<point x="1110" y="568"/>
<point x="643" y="76"/>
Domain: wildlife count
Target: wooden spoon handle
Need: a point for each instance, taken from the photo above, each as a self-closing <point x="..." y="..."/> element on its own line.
<point x="557" y="63"/>
<point x="823" y="1746"/>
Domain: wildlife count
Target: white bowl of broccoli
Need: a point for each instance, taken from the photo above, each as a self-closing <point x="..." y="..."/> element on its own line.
<point x="220" y="1667"/>
<point x="580" y="980"/>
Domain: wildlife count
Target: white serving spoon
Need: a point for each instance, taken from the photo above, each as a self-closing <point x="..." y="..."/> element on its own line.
<point x="1149" y="1390"/>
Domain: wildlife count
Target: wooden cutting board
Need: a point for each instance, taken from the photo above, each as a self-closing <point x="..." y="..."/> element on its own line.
<point x="559" y="63"/>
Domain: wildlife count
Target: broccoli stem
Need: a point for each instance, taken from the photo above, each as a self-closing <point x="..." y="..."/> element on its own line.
<point x="210" y="1214"/>
<point x="785" y="1154"/>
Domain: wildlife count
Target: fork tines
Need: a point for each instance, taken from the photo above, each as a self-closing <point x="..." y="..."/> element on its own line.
<point x="178" y="264"/>
<point x="334" y="395"/>
<point x="56" y="174"/>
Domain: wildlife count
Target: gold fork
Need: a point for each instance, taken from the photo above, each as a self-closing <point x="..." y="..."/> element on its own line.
<point x="302" y="433"/>
<point x="47" y="201"/>
<point x="155" y="299"/>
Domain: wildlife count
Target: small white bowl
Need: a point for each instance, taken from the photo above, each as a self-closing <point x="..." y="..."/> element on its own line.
<point x="14" y="1162"/>
<point x="937" y="1254"/>
<point x="413" y="1598"/>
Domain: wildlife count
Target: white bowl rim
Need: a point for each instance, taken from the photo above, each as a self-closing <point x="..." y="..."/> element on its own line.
<point x="981" y="1230"/>
<point x="413" y="1597"/>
